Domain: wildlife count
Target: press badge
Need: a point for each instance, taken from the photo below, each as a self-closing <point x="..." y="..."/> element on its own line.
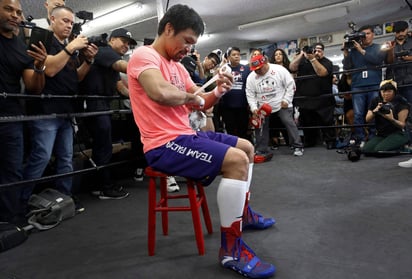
<point x="365" y="74"/>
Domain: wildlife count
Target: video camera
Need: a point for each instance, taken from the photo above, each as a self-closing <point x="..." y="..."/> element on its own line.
<point x="353" y="36"/>
<point x="402" y="53"/>
<point x="85" y="16"/>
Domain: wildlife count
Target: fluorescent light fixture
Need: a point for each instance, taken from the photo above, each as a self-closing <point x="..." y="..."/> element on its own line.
<point x="320" y="16"/>
<point x="301" y="13"/>
<point x="114" y="18"/>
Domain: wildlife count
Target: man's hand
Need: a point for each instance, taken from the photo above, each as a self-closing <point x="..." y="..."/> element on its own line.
<point x="39" y="54"/>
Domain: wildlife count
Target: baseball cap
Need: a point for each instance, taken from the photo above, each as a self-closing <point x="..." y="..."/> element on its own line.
<point x="400" y="26"/>
<point x="123" y="33"/>
<point x="217" y="53"/>
<point x="256" y="62"/>
<point x="189" y="63"/>
<point x="388" y="84"/>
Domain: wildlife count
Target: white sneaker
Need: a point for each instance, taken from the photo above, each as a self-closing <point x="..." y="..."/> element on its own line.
<point x="138" y="175"/>
<point x="362" y="144"/>
<point x="172" y="185"/>
<point x="298" y="151"/>
<point x="406" y="164"/>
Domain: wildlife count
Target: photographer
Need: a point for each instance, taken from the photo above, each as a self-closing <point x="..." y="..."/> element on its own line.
<point x="315" y="108"/>
<point x="63" y="73"/>
<point x="104" y="80"/>
<point x="363" y="53"/>
<point x="402" y="45"/>
<point x="389" y="110"/>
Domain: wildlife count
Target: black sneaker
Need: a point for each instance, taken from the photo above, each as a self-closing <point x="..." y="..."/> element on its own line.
<point x="115" y="193"/>
<point x="79" y="208"/>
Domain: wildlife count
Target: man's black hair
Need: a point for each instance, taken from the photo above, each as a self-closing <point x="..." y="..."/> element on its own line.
<point x="182" y="17"/>
<point x="366" y="27"/>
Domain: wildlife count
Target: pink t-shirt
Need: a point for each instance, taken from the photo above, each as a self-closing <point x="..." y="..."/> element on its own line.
<point x="158" y="124"/>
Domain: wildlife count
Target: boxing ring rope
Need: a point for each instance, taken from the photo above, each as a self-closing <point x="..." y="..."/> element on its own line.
<point x="23" y="118"/>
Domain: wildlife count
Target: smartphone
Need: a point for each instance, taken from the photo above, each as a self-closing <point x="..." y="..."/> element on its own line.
<point x="40" y="34"/>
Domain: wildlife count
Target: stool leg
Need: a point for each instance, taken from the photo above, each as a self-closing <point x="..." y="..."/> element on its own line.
<point x="164" y="203"/>
<point x="196" y="217"/>
<point x="205" y="208"/>
<point x="151" y="233"/>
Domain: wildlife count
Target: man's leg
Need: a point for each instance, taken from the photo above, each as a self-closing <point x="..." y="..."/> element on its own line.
<point x="359" y="111"/>
<point x="42" y="134"/>
<point x="64" y="155"/>
<point x="234" y="253"/>
<point x="251" y="219"/>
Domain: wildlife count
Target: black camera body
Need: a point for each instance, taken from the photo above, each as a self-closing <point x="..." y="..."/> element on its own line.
<point x="386" y="108"/>
<point x="355" y="36"/>
<point x="100" y="40"/>
<point x="305" y="49"/>
<point x="402" y="53"/>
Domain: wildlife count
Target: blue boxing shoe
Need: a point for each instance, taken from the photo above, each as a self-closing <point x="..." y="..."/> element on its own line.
<point x="255" y="221"/>
<point x="236" y="255"/>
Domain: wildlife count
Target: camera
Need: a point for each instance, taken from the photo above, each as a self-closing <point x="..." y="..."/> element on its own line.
<point x="305" y="49"/>
<point x="353" y="36"/>
<point x="85" y="16"/>
<point x="192" y="53"/>
<point x="99" y="41"/>
<point x="402" y="53"/>
<point x="386" y="108"/>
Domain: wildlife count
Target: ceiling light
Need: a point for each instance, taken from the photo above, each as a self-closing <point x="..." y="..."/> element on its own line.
<point x="320" y="16"/>
<point x="300" y="13"/>
<point x="114" y="18"/>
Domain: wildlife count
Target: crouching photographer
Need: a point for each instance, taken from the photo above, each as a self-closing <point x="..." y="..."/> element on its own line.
<point x="390" y="111"/>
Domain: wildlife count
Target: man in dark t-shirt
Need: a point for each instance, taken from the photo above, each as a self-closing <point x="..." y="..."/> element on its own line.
<point x="16" y="63"/>
<point x="63" y="73"/>
<point x="315" y="108"/>
<point x="104" y="80"/>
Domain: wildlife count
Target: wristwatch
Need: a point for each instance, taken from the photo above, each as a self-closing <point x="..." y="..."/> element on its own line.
<point x="40" y="71"/>
<point x="89" y="62"/>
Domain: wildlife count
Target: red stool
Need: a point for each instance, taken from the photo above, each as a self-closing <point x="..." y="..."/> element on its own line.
<point x="196" y="200"/>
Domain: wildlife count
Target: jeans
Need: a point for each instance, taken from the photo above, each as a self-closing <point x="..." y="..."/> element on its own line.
<point x="50" y="135"/>
<point x="361" y="103"/>
<point x="11" y="162"/>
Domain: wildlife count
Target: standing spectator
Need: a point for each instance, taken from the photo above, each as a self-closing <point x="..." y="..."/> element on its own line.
<point x="234" y="106"/>
<point x="104" y="80"/>
<point x="161" y="92"/>
<point x="17" y="64"/>
<point x="63" y="74"/>
<point x="315" y="108"/>
<point x="402" y="74"/>
<point x="49" y="5"/>
<point x="369" y="55"/>
<point x="272" y="84"/>
<point x="281" y="58"/>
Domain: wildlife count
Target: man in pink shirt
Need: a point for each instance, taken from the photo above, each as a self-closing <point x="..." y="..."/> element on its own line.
<point x="162" y="95"/>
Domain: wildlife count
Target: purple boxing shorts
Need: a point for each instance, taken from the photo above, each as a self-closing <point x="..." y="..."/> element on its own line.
<point x="198" y="157"/>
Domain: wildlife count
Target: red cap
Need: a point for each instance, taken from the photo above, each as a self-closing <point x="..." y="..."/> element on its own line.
<point x="256" y="62"/>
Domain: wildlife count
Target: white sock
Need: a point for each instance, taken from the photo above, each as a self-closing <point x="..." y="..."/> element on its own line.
<point x="231" y="200"/>
<point x="249" y="177"/>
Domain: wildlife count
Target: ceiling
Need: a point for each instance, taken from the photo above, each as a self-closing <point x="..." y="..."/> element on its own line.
<point x="222" y="18"/>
